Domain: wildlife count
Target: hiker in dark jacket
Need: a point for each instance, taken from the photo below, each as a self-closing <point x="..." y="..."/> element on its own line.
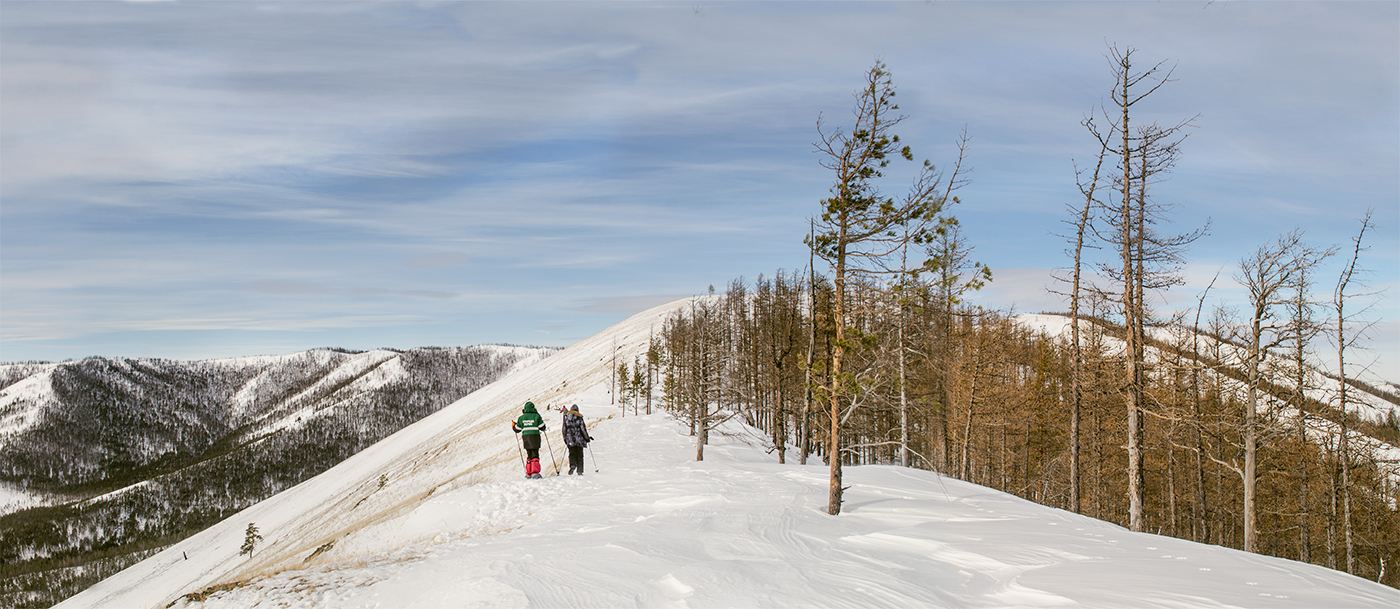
<point x="576" y="438"/>
<point x="529" y="425"/>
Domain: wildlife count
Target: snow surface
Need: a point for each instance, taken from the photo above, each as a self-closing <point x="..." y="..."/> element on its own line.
<point x="439" y="515"/>
<point x="14" y="499"/>
<point x="22" y="404"/>
<point x="1321" y="430"/>
<point x="22" y="407"/>
<point x="657" y="529"/>
<point x="524" y="356"/>
<point x="1360" y="403"/>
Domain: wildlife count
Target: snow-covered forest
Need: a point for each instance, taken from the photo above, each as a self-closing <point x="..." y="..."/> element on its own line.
<point x="108" y="460"/>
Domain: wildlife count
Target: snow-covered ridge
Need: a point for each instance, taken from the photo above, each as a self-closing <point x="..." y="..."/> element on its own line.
<point x="524" y="357"/>
<point x="22" y="404"/>
<point x="1366" y="405"/>
<point x="146" y="449"/>
<point x="27" y="391"/>
<point x="13" y="499"/>
<point x="1370" y="406"/>
<point x="465" y="443"/>
<point x="350" y="376"/>
<point x="439" y="515"/>
<point x="154" y="407"/>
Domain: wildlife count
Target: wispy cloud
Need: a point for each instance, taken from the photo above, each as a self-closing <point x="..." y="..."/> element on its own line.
<point x="437" y="260"/>
<point x="625" y="304"/>
<point x="403" y="171"/>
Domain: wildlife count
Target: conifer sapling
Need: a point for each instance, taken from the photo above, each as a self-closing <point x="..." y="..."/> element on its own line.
<point x="250" y="539"/>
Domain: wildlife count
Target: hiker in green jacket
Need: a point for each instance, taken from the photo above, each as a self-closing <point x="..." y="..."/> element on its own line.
<point x="529" y="425"/>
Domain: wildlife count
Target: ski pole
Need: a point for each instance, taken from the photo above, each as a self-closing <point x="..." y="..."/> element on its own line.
<point x="551" y="453"/>
<point x="590" y="456"/>
<point x="519" y="449"/>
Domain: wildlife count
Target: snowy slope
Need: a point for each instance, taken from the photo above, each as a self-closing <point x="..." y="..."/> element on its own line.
<point x="22" y="403"/>
<point x="1360" y="403"/>
<point x="655" y="529"/>
<point x="455" y="525"/>
<point x="14" y="498"/>
<point x="465" y="443"/>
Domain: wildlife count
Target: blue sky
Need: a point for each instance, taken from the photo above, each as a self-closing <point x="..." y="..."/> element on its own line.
<point x="193" y="180"/>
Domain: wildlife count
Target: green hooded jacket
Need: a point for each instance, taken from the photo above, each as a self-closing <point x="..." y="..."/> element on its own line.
<point x="529" y="423"/>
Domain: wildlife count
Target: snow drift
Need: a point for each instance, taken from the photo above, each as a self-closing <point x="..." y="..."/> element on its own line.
<point x="439" y="515"/>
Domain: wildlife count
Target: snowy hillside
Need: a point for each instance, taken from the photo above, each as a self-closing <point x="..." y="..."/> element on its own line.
<point x="104" y="461"/>
<point x="440" y="515"/>
<point x="91" y="422"/>
<point x="1361" y="403"/>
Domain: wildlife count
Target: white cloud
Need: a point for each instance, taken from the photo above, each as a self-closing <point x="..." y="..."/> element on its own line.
<point x="1026" y="290"/>
<point x="399" y="163"/>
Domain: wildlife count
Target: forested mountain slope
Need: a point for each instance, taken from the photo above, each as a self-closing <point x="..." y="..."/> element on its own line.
<point x="104" y="460"/>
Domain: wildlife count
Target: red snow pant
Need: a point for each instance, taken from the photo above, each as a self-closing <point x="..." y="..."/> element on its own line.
<point x="532" y="451"/>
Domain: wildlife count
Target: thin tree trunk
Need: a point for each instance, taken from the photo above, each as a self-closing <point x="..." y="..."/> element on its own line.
<point x="1076" y="368"/>
<point x="1138" y="377"/>
<point x="1131" y="318"/>
<point x="1201" y="527"/>
<point x="1332" y="521"/>
<point x="838" y="351"/>
<point x="805" y="430"/>
<point x="1251" y="441"/>
<point x="1344" y="448"/>
<point x="702" y="438"/>
<point x="964" y="470"/>
<point x="1171" y="488"/>
<point x="1098" y="467"/>
<point x="903" y="374"/>
<point x="1344" y="457"/>
<point x="1304" y="513"/>
<point x="1303" y="331"/>
<point x="903" y="401"/>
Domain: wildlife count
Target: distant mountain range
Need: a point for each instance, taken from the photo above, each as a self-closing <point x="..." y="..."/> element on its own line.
<point x="104" y="461"/>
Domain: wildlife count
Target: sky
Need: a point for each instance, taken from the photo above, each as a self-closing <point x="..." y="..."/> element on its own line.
<point x="190" y="180"/>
